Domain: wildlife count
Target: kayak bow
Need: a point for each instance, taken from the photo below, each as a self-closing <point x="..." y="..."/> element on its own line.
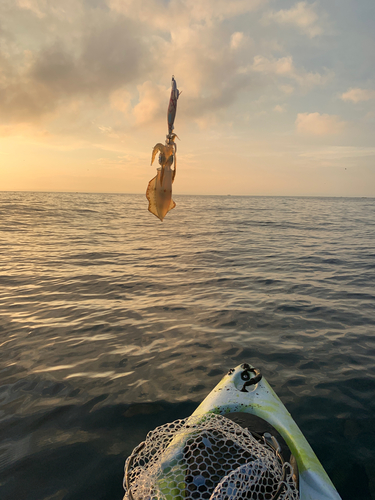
<point x="209" y="456"/>
<point x="238" y="393"/>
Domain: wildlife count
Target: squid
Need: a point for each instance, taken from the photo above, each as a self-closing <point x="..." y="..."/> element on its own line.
<point x="159" y="189"/>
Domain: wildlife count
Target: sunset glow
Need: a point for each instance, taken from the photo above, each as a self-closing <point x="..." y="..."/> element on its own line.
<point x="278" y="97"/>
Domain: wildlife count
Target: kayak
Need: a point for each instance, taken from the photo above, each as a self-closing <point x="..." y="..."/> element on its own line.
<point x="240" y="443"/>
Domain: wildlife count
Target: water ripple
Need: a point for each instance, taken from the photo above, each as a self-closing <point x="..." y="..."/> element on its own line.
<point x="112" y="323"/>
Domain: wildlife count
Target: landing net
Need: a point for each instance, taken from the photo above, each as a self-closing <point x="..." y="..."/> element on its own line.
<point x="207" y="458"/>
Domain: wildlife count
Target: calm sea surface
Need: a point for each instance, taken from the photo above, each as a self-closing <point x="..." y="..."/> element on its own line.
<point x="112" y="323"/>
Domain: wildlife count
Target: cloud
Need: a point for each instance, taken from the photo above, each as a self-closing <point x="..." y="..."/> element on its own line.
<point x="284" y="67"/>
<point x="358" y="95"/>
<point x="219" y="9"/>
<point x="175" y="14"/>
<point x="35" y="6"/>
<point x="101" y="56"/>
<point x="302" y="15"/>
<point x="114" y="56"/>
<point x="24" y="130"/>
<point x="108" y="54"/>
<point x="237" y="40"/>
<point x="279" y="109"/>
<point x="152" y="99"/>
<point x="339" y="153"/>
<point x="317" y="124"/>
<point x="287" y="89"/>
<point x="120" y="99"/>
<point x="210" y="76"/>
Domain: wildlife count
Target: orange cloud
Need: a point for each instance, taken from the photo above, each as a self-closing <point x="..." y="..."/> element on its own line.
<point x="237" y="40"/>
<point x="357" y="95"/>
<point x="152" y="102"/>
<point x="317" y="124"/>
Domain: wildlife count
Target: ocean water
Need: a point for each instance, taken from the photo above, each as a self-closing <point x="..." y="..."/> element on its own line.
<point x="112" y="323"/>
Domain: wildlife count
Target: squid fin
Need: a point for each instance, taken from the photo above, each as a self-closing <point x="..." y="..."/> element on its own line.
<point x="151" y="196"/>
<point x="172" y="205"/>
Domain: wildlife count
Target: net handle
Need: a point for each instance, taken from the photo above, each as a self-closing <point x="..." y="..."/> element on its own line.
<point x="128" y="464"/>
<point x="276" y="450"/>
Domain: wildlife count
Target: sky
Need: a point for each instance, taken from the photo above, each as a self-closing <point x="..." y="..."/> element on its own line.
<point x="278" y="96"/>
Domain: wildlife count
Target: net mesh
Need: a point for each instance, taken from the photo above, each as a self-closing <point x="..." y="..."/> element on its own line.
<point x="209" y="457"/>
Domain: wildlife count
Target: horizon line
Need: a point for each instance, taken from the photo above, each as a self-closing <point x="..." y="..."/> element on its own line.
<point x="192" y="194"/>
